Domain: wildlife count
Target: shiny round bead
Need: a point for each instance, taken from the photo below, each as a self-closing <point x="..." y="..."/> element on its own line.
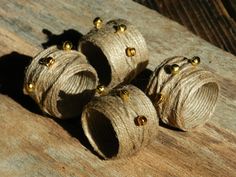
<point x="100" y="89"/>
<point x="195" y="61"/>
<point x="175" y="69"/>
<point x="140" y="120"/>
<point x="124" y="94"/>
<point x="48" y="61"/>
<point x="67" y="45"/>
<point x="29" y="87"/>
<point x="97" y="22"/>
<point x="121" y="28"/>
<point x="130" y="52"/>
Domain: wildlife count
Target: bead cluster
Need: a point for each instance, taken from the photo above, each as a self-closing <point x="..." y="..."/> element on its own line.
<point x="98" y="23"/>
<point x="174" y="69"/>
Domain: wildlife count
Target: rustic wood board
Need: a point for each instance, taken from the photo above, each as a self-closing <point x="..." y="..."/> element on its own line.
<point x="34" y="145"/>
<point x="214" y="21"/>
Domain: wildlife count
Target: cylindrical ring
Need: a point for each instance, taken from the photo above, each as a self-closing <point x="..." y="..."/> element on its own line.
<point x="120" y="123"/>
<point x="60" y="81"/>
<point x="184" y="94"/>
<point x="116" y="50"/>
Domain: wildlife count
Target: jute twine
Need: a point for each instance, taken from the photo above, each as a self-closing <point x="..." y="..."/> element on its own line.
<point x="60" y="81"/>
<point x="185" y="99"/>
<point x="117" y="51"/>
<point x="120" y="123"/>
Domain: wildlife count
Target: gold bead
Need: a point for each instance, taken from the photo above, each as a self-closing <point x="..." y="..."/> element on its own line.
<point x="195" y="61"/>
<point x="124" y="94"/>
<point x="29" y="87"/>
<point x="175" y="69"/>
<point x="158" y="98"/>
<point x="140" y="120"/>
<point x="100" y="89"/>
<point x="121" y="28"/>
<point x="48" y="61"/>
<point x="130" y="52"/>
<point x="67" y="45"/>
<point x="97" y="22"/>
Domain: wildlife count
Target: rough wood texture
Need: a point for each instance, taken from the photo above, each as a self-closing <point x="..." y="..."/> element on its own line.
<point x="33" y="145"/>
<point x="212" y="20"/>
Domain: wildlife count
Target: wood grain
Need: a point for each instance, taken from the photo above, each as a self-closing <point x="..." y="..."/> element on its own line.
<point x="34" y="145"/>
<point x="214" y="20"/>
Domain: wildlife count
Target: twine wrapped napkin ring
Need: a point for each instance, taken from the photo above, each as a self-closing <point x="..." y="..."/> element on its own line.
<point x="117" y="50"/>
<point x="120" y="123"/>
<point x="183" y="93"/>
<point x="60" y="81"/>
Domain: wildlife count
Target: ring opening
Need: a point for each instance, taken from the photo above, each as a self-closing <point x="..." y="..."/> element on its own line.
<point x="101" y="134"/>
<point x="75" y="93"/>
<point x="198" y="107"/>
<point x="98" y="60"/>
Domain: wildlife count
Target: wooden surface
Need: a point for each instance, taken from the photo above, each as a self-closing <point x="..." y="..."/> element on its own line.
<point x="212" y="20"/>
<point x="33" y="145"/>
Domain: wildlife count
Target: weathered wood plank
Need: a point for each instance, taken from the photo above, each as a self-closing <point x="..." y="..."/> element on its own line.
<point x="33" y="145"/>
<point x="212" y="20"/>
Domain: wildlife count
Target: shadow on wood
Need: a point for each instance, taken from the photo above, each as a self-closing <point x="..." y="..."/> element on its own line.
<point x="162" y="124"/>
<point x="142" y="79"/>
<point x="12" y="68"/>
<point x="74" y="128"/>
<point x="68" y="35"/>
